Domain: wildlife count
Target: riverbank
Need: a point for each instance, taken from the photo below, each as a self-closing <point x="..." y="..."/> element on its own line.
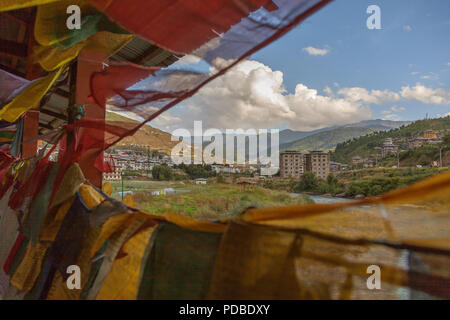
<point x="355" y="183"/>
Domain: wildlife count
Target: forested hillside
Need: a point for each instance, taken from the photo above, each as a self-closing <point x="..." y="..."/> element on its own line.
<point x="365" y="145"/>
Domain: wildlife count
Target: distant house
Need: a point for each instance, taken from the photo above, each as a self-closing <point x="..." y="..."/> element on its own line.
<point x="334" y="166"/>
<point x="388" y="148"/>
<point x="417" y="142"/>
<point x="200" y="181"/>
<point x="420" y="141"/>
<point x="246" y="184"/>
<point x="368" y="164"/>
<point x="357" y="159"/>
<point x="430" y="134"/>
<point x="220" y="168"/>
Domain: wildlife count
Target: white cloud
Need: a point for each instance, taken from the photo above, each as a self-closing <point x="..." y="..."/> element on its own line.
<point x="328" y="91"/>
<point x="362" y="95"/>
<point x="418" y="92"/>
<point x="444" y="115"/>
<point x="188" y="59"/>
<point x="430" y="76"/>
<point x="414" y="73"/>
<point x="407" y="28"/>
<point x="397" y="109"/>
<point x="165" y="120"/>
<point x="426" y="95"/>
<point x="391" y="114"/>
<point x="316" y="51"/>
<point x="252" y="95"/>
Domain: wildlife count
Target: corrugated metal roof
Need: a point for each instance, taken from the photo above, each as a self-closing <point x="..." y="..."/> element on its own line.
<point x="144" y="53"/>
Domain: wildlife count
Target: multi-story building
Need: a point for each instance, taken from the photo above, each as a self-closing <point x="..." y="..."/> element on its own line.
<point x="291" y="164"/>
<point x="388" y="148"/>
<point x="319" y="163"/>
<point x="115" y="175"/>
<point x="430" y="134"/>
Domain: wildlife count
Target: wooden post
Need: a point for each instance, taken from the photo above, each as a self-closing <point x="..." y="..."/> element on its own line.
<point x="31" y="118"/>
<point x="89" y="62"/>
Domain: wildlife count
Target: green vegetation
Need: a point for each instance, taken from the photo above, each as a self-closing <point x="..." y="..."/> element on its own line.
<point x="309" y="183"/>
<point x="214" y="200"/>
<point x="372" y="182"/>
<point x="195" y="171"/>
<point x="162" y="172"/>
<point x="327" y="140"/>
<point x="367" y="182"/>
<point x="365" y="145"/>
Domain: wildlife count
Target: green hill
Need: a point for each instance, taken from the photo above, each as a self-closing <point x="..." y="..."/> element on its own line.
<point x="365" y="145"/>
<point x="326" y="140"/>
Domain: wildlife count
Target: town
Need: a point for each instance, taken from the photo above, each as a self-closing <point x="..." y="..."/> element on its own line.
<point x="293" y="164"/>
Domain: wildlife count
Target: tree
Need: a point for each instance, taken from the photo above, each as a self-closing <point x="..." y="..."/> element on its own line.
<point x="308" y="182"/>
<point x="162" y="172"/>
<point x="332" y="180"/>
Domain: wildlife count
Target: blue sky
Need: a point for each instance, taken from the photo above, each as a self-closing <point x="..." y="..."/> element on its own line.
<point x="332" y="70"/>
<point x="412" y="47"/>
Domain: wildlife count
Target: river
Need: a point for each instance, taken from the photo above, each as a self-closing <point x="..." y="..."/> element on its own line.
<point x="323" y="199"/>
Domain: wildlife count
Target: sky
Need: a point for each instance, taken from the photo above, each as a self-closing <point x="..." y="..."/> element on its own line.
<point x="333" y="70"/>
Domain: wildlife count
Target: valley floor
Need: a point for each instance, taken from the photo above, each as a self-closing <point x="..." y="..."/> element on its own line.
<point x="210" y="201"/>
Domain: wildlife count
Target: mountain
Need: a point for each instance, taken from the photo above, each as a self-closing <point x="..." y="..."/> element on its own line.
<point x="364" y="146"/>
<point x="145" y="136"/>
<point x="328" y="138"/>
<point x="286" y="136"/>
<point x="380" y="124"/>
<point x="321" y="139"/>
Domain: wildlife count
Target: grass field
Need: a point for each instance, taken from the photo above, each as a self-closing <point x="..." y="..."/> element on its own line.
<point x="210" y="201"/>
<point x="410" y="175"/>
